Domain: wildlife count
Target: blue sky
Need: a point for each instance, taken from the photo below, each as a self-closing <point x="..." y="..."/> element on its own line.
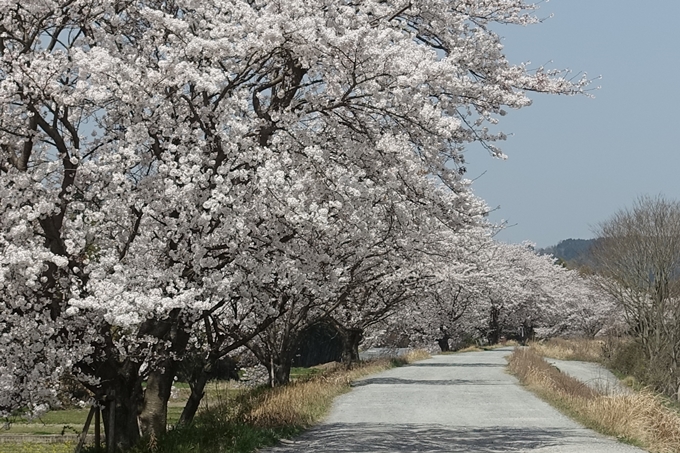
<point x="574" y="161"/>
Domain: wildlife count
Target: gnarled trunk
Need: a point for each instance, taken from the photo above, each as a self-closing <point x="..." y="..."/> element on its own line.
<point x="351" y="338"/>
<point x="444" y="343"/>
<point x="280" y="373"/>
<point x="120" y="414"/>
<point x="153" y="415"/>
<point x="277" y="361"/>
<point x="494" y="333"/>
<point x="153" y="418"/>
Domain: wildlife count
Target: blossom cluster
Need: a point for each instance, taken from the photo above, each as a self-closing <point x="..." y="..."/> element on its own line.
<point x="229" y="171"/>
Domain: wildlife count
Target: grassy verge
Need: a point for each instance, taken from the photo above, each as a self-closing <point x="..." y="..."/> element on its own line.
<point x="585" y="349"/>
<point x="305" y="401"/>
<point x="31" y="447"/>
<point x="639" y="418"/>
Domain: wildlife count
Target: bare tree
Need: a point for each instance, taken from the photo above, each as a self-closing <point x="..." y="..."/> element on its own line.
<point x="638" y="252"/>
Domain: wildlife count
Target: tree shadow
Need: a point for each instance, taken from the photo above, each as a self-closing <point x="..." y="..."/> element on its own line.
<point x="366" y="437"/>
<point x="400" y="381"/>
<point x="458" y="365"/>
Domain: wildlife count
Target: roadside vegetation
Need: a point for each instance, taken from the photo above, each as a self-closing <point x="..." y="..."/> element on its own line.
<point x="239" y="420"/>
<point x="32" y="447"/>
<point x="586" y="349"/>
<point x="642" y="417"/>
<point x="622" y="355"/>
<point x="245" y="421"/>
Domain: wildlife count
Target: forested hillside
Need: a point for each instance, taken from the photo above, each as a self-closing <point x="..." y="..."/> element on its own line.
<point x="573" y="252"/>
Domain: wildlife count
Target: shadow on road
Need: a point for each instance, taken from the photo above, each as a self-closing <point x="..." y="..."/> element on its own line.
<point x="457" y="365"/>
<point x="364" y="437"/>
<point x="399" y="381"/>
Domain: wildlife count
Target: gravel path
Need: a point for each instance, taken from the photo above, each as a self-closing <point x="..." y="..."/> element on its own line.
<point x="449" y="403"/>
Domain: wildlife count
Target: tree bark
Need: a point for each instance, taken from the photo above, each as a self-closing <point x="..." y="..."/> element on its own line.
<point x="281" y="373"/>
<point x="153" y="418"/>
<point x="153" y="415"/>
<point x="278" y="360"/>
<point x="197" y="392"/>
<point x="444" y="343"/>
<point x="124" y="400"/>
<point x="494" y="326"/>
<point x="351" y="338"/>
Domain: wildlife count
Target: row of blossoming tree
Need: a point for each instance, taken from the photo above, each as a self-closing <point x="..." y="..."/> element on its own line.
<point x="194" y="177"/>
<point x="491" y="291"/>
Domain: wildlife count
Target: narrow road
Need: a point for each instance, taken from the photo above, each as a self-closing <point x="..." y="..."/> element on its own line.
<point x="450" y="403"/>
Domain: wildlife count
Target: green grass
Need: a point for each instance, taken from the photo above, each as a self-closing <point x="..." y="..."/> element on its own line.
<point x="65" y="417"/>
<point x="56" y="417"/>
<point x="39" y="429"/>
<point x="173" y="414"/>
<point x="303" y="373"/>
<point x="32" y="447"/>
<point x="68" y="421"/>
<point x="210" y="434"/>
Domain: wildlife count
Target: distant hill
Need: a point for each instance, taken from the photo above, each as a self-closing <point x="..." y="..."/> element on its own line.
<point x="573" y="252"/>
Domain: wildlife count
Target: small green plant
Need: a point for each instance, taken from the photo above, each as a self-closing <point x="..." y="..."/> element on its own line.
<point x="70" y="429"/>
<point x="303" y="373"/>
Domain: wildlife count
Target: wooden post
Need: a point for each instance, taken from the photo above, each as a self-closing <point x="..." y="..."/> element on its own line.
<point x="271" y="369"/>
<point x="110" y="434"/>
<point x="83" y="435"/>
<point x="97" y="427"/>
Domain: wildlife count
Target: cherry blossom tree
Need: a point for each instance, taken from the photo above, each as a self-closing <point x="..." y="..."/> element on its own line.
<point x="580" y="307"/>
<point x="163" y="164"/>
<point x="489" y="290"/>
<point x="364" y="269"/>
<point x="452" y="277"/>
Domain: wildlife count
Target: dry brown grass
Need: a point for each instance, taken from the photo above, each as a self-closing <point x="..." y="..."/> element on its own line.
<point x="488" y="347"/>
<point x="415" y="355"/>
<point x="586" y="349"/>
<point x="471" y="348"/>
<point x="306" y="401"/>
<point x="640" y="418"/>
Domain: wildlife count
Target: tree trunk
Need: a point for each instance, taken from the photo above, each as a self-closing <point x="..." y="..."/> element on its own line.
<point x="494" y="334"/>
<point x="124" y="400"/>
<point x="194" y="401"/>
<point x="280" y="374"/>
<point x="153" y="417"/>
<point x="444" y="343"/>
<point x="154" y="411"/>
<point x="277" y="359"/>
<point x="350" y="345"/>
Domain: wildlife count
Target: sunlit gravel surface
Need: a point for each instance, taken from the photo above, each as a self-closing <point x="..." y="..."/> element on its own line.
<point x="449" y="403"/>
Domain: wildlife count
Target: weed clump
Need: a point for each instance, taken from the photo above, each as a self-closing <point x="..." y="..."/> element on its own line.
<point x="585" y="349"/>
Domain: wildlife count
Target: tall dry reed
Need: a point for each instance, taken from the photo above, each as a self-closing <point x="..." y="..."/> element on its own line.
<point x="586" y="349"/>
<point x="640" y="418"/>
